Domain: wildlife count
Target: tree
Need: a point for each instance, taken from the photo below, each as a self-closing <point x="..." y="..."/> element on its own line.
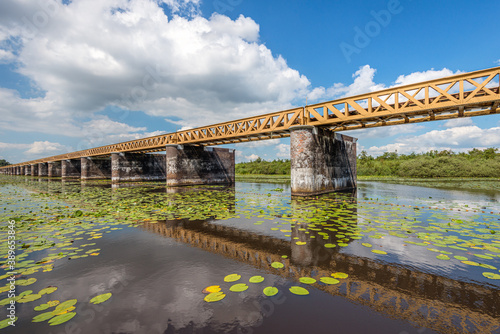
<point x="4" y="162"/>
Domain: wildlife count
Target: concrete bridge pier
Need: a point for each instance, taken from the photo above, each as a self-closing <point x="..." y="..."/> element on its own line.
<point x="192" y="165"/>
<point x="71" y="168"/>
<point x="94" y="168"/>
<point x="34" y="170"/>
<point x="137" y="167"/>
<point x="21" y="170"/>
<point x="322" y="161"/>
<point x="27" y="170"/>
<point x="54" y="168"/>
<point x="43" y="169"/>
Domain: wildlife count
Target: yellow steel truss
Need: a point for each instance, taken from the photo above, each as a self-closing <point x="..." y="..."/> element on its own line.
<point x="463" y="95"/>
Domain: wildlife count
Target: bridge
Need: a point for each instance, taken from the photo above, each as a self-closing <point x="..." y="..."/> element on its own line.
<point x="322" y="160"/>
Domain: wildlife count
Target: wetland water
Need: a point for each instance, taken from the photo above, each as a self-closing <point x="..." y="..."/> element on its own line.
<point x="387" y="259"/>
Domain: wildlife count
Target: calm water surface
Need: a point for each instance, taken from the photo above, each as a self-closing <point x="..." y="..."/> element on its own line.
<point x="156" y="249"/>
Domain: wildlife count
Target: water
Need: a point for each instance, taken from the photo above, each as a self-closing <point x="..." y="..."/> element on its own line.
<point x="156" y="249"/>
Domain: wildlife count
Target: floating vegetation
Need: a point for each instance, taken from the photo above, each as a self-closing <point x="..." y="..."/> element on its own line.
<point x="277" y="265"/>
<point x="101" y="298"/>
<point x="211" y="289"/>
<point x="270" y="291"/>
<point x="329" y="280"/>
<point x="256" y="279"/>
<point x="307" y="280"/>
<point x="238" y="287"/>
<point x="298" y="290"/>
<point x="232" y="278"/>
<point x="214" y="297"/>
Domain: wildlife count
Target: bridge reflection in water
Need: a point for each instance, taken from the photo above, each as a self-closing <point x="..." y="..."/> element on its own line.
<point x="426" y="300"/>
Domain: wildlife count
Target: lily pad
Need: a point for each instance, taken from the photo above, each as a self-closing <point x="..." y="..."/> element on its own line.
<point x="461" y="258"/>
<point x="238" y="287"/>
<point x="232" y="278"/>
<point x="24" y="282"/>
<point x="367" y="245"/>
<point x="214" y="297"/>
<point x="307" y="280"/>
<point x="298" y="290"/>
<point x="6" y="322"/>
<point x="491" y="275"/>
<point x="29" y="298"/>
<point x="340" y="275"/>
<point x="442" y="257"/>
<point x="43" y="317"/>
<point x="48" y="290"/>
<point x="101" y="298"/>
<point x="42" y="307"/>
<point x="471" y="263"/>
<point x="57" y="320"/>
<point x="330" y="245"/>
<point x="65" y="305"/>
<point x="270" y="291"/>
<point x="211" y="289"/>
<point x="277" y="265"/>
<point x="256" y="279"/>
<point x="329" y="280"/>
<point x="377" y="251"/>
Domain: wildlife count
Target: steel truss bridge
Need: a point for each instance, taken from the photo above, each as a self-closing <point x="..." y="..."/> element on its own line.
<point x="463" y="95"/>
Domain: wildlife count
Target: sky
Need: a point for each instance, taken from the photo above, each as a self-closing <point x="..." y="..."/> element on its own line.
<point x="86" y="73"/>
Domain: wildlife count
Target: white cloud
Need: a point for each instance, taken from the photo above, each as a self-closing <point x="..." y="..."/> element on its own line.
<point x="424" y="76"/>
<point x="37" y="148"/>
<point x="90" y="55"/>
<point x="385" y="131"/>
<point x="457" y="122"/>
<point x="283" y="151"/>
<point x="498" y="62"/>
<point x="458" y="139"/>
<point x="252" y="157"/>
<point x="6" y="56"/>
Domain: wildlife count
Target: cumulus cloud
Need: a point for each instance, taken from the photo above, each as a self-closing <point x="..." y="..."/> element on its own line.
<point x="130" y="54"/>
<point x="460" y="138"/>
<point x="37" y="148"/>
<point x="283" y="151"/>
<point x="458" y="122"/>
<point x="252" y="157"/>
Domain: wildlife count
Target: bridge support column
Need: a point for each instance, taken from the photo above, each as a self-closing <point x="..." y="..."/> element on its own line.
<point x="137" y="167"/>
<point x="95" y="168"/>
<point x="34" y="170"/>
<point x="71" y="168"/>
<point x="21" y="170"/>
<point x="27" y="170"/>
<point x="322" y="161"/>
<point x="190" y="165"/>
<point x="54" y="168"/>
<point x="43" y="169"/>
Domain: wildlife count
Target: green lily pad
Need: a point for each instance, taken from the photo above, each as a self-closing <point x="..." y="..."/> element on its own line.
<point x="65" y="305"/>
<point x="270" y="291"/>
<point x="41" y="307"/>
<point x="487" y="266"/>
<point x="29" y="298"/>
<point x="101" y="298"/>
<point x="48" y="290"/>
<point x="367" y="245"/>
<point x="491" y="275"/>
<point x="232" y="278"/>
<point x="340" y="275"/>
<point x="307" y="280"/>
<point x="442" y="257"/>
<point x="6" y="322"/>
<point x="256" y="279"/>
<point x="484" y="256"/>
<point x="329" y="280"/>
<point x="298" y="290"/>
<point x="25" y="293"/>
<point x="277" y="265"/>
<point x="24" y="282"/>
<point x="461" y="258"/>
<point x="214" y="297"/>
<point x="238" y="287"/>
<point x="330" y="245"/>
<point x="57" y="320"/>
<point x="471" y="263"/>
<point x="43" y="317"/>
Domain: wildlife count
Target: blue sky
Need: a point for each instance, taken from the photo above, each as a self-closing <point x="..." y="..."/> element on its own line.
<point x="79" y="74"/>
